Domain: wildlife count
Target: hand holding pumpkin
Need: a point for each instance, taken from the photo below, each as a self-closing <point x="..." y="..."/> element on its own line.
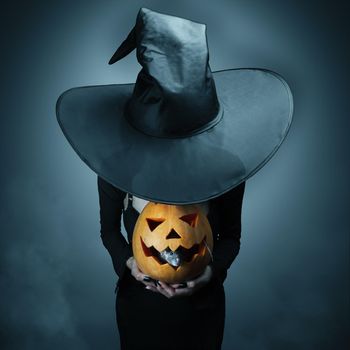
<point x="137" y="273"/>
<point x="195" y="284"/>
<point x="178" y="290"/>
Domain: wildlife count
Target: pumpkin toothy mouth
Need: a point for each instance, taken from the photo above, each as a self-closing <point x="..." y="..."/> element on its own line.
<point x="174" y="258"/>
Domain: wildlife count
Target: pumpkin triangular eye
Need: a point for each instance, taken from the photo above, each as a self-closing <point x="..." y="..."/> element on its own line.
<point x="191" y="219"/>
<point x="154" y="223"/>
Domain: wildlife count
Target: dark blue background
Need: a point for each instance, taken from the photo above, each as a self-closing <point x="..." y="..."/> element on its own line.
<point x="288" y="288"/>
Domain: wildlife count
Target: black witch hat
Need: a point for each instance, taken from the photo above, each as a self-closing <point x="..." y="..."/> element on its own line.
<point x="181" y="134"/>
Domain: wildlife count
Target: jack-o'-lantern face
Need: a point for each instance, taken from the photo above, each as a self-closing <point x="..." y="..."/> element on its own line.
<point x="172" y="243"/>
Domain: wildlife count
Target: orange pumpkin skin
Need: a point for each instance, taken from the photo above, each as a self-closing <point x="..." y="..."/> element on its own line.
<point x="161" y="226"/>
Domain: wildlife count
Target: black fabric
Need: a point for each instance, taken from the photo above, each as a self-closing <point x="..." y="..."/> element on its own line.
<point x="111" y="207"/>
<point x="257" y="115"/>
<point x="175" y="93"/>
<point x="149" y="320"/>
<point x="214" y="129"/>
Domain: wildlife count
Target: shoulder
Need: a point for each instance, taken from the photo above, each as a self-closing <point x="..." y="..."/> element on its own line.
<point x="235" y="192"/>
<point x="233" y="195"/>
<point x="107" y="188"/>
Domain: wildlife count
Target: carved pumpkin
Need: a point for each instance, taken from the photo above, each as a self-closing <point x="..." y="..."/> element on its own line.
<point x="172" y="243"/>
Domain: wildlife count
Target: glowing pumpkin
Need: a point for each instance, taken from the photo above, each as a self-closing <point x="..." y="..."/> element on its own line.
<point x="172" y="243"/>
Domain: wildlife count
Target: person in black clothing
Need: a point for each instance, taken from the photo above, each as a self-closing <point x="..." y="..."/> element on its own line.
<point x="181" y="134"/>
<point x="163" y="317"/>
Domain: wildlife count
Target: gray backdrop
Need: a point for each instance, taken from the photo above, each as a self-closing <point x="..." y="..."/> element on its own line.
<point x="288" y="288"/>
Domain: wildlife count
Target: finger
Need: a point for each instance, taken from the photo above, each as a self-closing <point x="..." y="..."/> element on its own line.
<point x="147" y="278"/>
<point x="179" y="285"/>
<point x="147" y="281"/>
<point x="150" y="284"/>
<point x="167" y="288"/>
<point x="136" y="272"/>
<point x="202" y="279"/>
<point x="163" y="291"/>
<point x="192" y="284"/>
<point x="138" y="276"/>
<point x="184" y="292"/>
<point x="152" y="288"/>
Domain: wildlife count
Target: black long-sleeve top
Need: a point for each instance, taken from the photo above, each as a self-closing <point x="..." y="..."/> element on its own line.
<point x="224" y="217"/>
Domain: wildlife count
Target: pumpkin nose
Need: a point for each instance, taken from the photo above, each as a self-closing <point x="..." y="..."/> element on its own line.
<point x="173" y="234"/>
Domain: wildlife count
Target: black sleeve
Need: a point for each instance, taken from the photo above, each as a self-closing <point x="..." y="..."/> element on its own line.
<point x="228" y="232"/>
<point x="111" y="208"/>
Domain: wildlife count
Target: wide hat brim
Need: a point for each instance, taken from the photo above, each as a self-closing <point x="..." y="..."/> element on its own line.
<point x="257" y="113"/>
